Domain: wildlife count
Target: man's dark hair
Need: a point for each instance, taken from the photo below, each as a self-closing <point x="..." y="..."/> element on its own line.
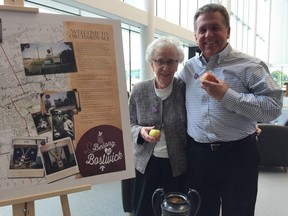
<point x="208" y="8"/>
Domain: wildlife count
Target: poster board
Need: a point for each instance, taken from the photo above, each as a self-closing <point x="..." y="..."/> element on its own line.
<point x="62" y="79"/>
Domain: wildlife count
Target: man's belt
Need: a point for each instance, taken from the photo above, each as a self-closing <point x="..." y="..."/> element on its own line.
<point x="223" y="146"/>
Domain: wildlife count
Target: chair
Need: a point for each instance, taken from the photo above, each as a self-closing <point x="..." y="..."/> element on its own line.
<point x="273" y="145"/>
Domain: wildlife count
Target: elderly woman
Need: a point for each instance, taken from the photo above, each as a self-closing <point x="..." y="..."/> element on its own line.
<point x="159" y="103"/>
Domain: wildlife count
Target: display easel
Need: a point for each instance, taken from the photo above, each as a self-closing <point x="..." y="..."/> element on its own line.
<point x="25" y="206"/>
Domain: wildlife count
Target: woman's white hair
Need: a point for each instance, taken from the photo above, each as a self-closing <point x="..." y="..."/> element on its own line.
<point x="164" y="41"/>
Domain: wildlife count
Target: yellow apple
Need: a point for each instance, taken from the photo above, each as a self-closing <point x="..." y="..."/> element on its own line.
<point x="155" y="133"/>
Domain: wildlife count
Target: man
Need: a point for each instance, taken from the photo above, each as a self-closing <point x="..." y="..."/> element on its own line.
<point x="222" y="116"/>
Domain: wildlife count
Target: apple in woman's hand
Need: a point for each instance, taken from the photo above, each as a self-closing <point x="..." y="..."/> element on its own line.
<point x="155" y="133"/>
<point x="209" y="77"/>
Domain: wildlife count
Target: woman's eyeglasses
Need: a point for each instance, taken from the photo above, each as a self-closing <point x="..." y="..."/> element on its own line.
<point x="162" y="63"/>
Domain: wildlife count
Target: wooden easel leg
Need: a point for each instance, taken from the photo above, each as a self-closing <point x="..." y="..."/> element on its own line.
<point x="28" y="208"/>
<point x="24" y="209"/>
<point x="65" y="205"/>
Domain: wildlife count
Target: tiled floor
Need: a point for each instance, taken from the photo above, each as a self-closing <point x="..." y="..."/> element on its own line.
<point x="272" y="193"/>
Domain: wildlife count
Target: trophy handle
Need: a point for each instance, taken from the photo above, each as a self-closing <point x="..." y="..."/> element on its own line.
<point x="190" y="194"/>
<point x="158" y="195"/>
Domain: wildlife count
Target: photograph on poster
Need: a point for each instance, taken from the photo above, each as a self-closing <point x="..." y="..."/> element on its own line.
<point x="62" y="124"/>
<point x="42" y="122"/>
<point x="66" y="100"/>
<point x="25" y="159"/>
<point x="48" y="58"/>
<point x="59" y="159"/>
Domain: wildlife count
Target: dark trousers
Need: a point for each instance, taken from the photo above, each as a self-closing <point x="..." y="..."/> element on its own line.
<point x="227" y="177"/>
<point x="158" y="174"/>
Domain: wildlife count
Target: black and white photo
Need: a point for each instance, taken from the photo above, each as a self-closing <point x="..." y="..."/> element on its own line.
<point x="59" y="159"/>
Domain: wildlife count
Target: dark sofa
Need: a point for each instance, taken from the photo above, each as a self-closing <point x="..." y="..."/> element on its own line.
<point x="273" y="145"/>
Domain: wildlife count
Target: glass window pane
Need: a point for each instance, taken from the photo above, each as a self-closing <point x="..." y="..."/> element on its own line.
<point x="202" y="3"/>
<point x="247" y="11"/>
<point x="250" y="50"/>
<point x="192" y="8"/>
<point x="136" y="3"/>
<point x="184" y="13"/>
<point x="245" y="39"/>
<point x="161" y="8"/>
<point x="172" y="11"/>
<point x="126" y="50"/>
<point x="239" y="35"/>
<point x="136" y="58"/>
<point x="279" y="75"/>
<point x="240" y="10"/>
<point x="88" y="14"/>
<point x="234" y="7"/>
<point x="262" y="30"/>
<point x="52" y="6"/>
<point x="132" y="54"/>
<point x="251" y="24"/>
<point x="233" y="34"/>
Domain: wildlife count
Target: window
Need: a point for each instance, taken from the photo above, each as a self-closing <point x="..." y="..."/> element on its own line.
<point x="249" y="33"/>
<point x="132" y="55"/>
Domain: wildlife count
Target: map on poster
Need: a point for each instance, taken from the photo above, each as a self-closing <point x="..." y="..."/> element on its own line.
<point x="62" y="78"/>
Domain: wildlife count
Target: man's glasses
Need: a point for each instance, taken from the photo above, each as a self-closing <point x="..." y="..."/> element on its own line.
<point x="162" y="63"/>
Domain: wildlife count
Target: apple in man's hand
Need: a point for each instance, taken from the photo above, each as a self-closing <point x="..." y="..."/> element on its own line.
<point x="155" y="133"/>
<point x="209" y="77"/>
